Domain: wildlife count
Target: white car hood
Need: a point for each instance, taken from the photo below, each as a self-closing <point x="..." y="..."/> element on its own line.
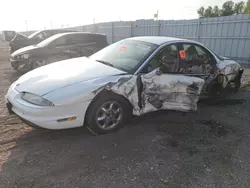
<point x="63" y="73"/>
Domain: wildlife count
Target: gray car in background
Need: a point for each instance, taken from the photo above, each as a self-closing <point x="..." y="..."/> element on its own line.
<point x="58" y="47"/>
<point x="19" y="40"/>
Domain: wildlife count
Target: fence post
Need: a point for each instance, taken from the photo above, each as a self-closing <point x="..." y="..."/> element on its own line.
<point x="159" y="29"/>
<point x="198" y="30"/>
<point x="131" y="29"/>
<point x="96" y="28"/>
<point x="248" y="61"/>
<point x="112" y="32"/>
<point x="121" y="30"/>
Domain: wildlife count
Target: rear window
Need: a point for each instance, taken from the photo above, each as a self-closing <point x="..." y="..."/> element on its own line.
<point x="87" y="38"/>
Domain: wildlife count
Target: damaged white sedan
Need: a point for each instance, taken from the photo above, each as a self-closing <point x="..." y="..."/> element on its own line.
<point x="133" y="76"/>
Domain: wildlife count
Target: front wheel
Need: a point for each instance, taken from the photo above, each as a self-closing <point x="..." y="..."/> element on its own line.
<point x="108" y="113"/>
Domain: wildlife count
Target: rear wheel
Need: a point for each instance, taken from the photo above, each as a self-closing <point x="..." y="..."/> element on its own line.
<point x="217" y="92"/>
<point x="108" y="113"/>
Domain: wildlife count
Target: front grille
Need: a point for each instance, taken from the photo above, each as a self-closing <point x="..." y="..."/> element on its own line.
<point x="13" y="57"/>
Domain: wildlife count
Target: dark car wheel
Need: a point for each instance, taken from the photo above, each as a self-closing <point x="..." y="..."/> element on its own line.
<point x="108" y="113"/>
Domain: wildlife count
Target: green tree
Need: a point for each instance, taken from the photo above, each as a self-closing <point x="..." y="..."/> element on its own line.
<point x="227" y="9"/>
<point x="208" y="12"/>
<point x="201" y="12"/>
<point x="247" y="8"/>
<point x="216" y="11"/>
<point x="239" y="7"/>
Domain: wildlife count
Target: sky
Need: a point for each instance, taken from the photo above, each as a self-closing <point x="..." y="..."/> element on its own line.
<point x="22" y="15"/>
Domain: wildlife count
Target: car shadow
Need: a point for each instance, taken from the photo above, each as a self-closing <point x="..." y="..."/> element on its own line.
<point x="14" y="76"/>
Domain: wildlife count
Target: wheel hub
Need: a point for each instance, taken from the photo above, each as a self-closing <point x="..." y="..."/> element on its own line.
<point x="109" y="115"/>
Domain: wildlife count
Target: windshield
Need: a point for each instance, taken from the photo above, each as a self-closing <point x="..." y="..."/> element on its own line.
<point x="33" y="34"/>
<point x="126" y="55"/>
<point x="19" y="36"/>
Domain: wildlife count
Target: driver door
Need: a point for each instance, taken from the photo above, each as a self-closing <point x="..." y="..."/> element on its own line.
<point x="57" y="50"/>
<point x="164" y="87"/>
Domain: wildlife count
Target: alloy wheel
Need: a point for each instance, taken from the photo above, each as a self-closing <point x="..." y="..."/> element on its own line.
<point x="109" y="115"/>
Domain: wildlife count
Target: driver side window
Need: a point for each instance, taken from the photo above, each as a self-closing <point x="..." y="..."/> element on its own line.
<point x="61" y="41"/>
<point x="194" y="59"/>
<point x="166" y="59"/>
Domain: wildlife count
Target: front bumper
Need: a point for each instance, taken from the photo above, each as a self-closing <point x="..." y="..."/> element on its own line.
<point x="20" y="65"/>
<point x="45" y="117"/>
<point x="234" y="83"/>
<point x="9" y="107"/>
<point x="240" y="73"/>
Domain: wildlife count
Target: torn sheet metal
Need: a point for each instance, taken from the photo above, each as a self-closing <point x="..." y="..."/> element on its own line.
<point x="128" y="87"/>
<point x="226" y="71"/>
<point x="205" y="68"/>
<point x="229" y="69"/>
<point x="155" y="91"/>
<point x="170" y="91"/>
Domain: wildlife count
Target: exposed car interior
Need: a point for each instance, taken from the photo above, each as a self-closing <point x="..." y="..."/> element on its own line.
<point x="167" y="59"/>
<point x="195" y="60"/>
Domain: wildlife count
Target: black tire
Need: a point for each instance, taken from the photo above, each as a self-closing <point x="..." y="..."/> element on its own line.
<point x="104" y="98"/>
<point x="216" y="92"/>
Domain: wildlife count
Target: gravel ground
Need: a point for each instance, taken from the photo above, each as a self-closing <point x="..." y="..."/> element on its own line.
<point x="209" y="148"/>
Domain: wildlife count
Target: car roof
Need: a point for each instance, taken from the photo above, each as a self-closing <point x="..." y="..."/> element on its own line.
<point x="57" y="30"/>
<point x="157" y="39"/>
<point x="45" y="30"/>
<point x="78" y="33"/>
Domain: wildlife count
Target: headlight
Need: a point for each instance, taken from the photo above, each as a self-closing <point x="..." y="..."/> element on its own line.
<point x="35" y="99"/>
<point x="23" y="56"/>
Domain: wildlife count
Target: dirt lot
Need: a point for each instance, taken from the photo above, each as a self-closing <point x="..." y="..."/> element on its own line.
<point x="210" y="148"/>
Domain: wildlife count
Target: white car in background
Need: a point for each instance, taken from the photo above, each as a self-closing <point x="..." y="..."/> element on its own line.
<point x="133" y="76"/>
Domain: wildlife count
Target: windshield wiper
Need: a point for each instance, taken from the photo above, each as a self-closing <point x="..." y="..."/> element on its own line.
<point x="106" y="63"/>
